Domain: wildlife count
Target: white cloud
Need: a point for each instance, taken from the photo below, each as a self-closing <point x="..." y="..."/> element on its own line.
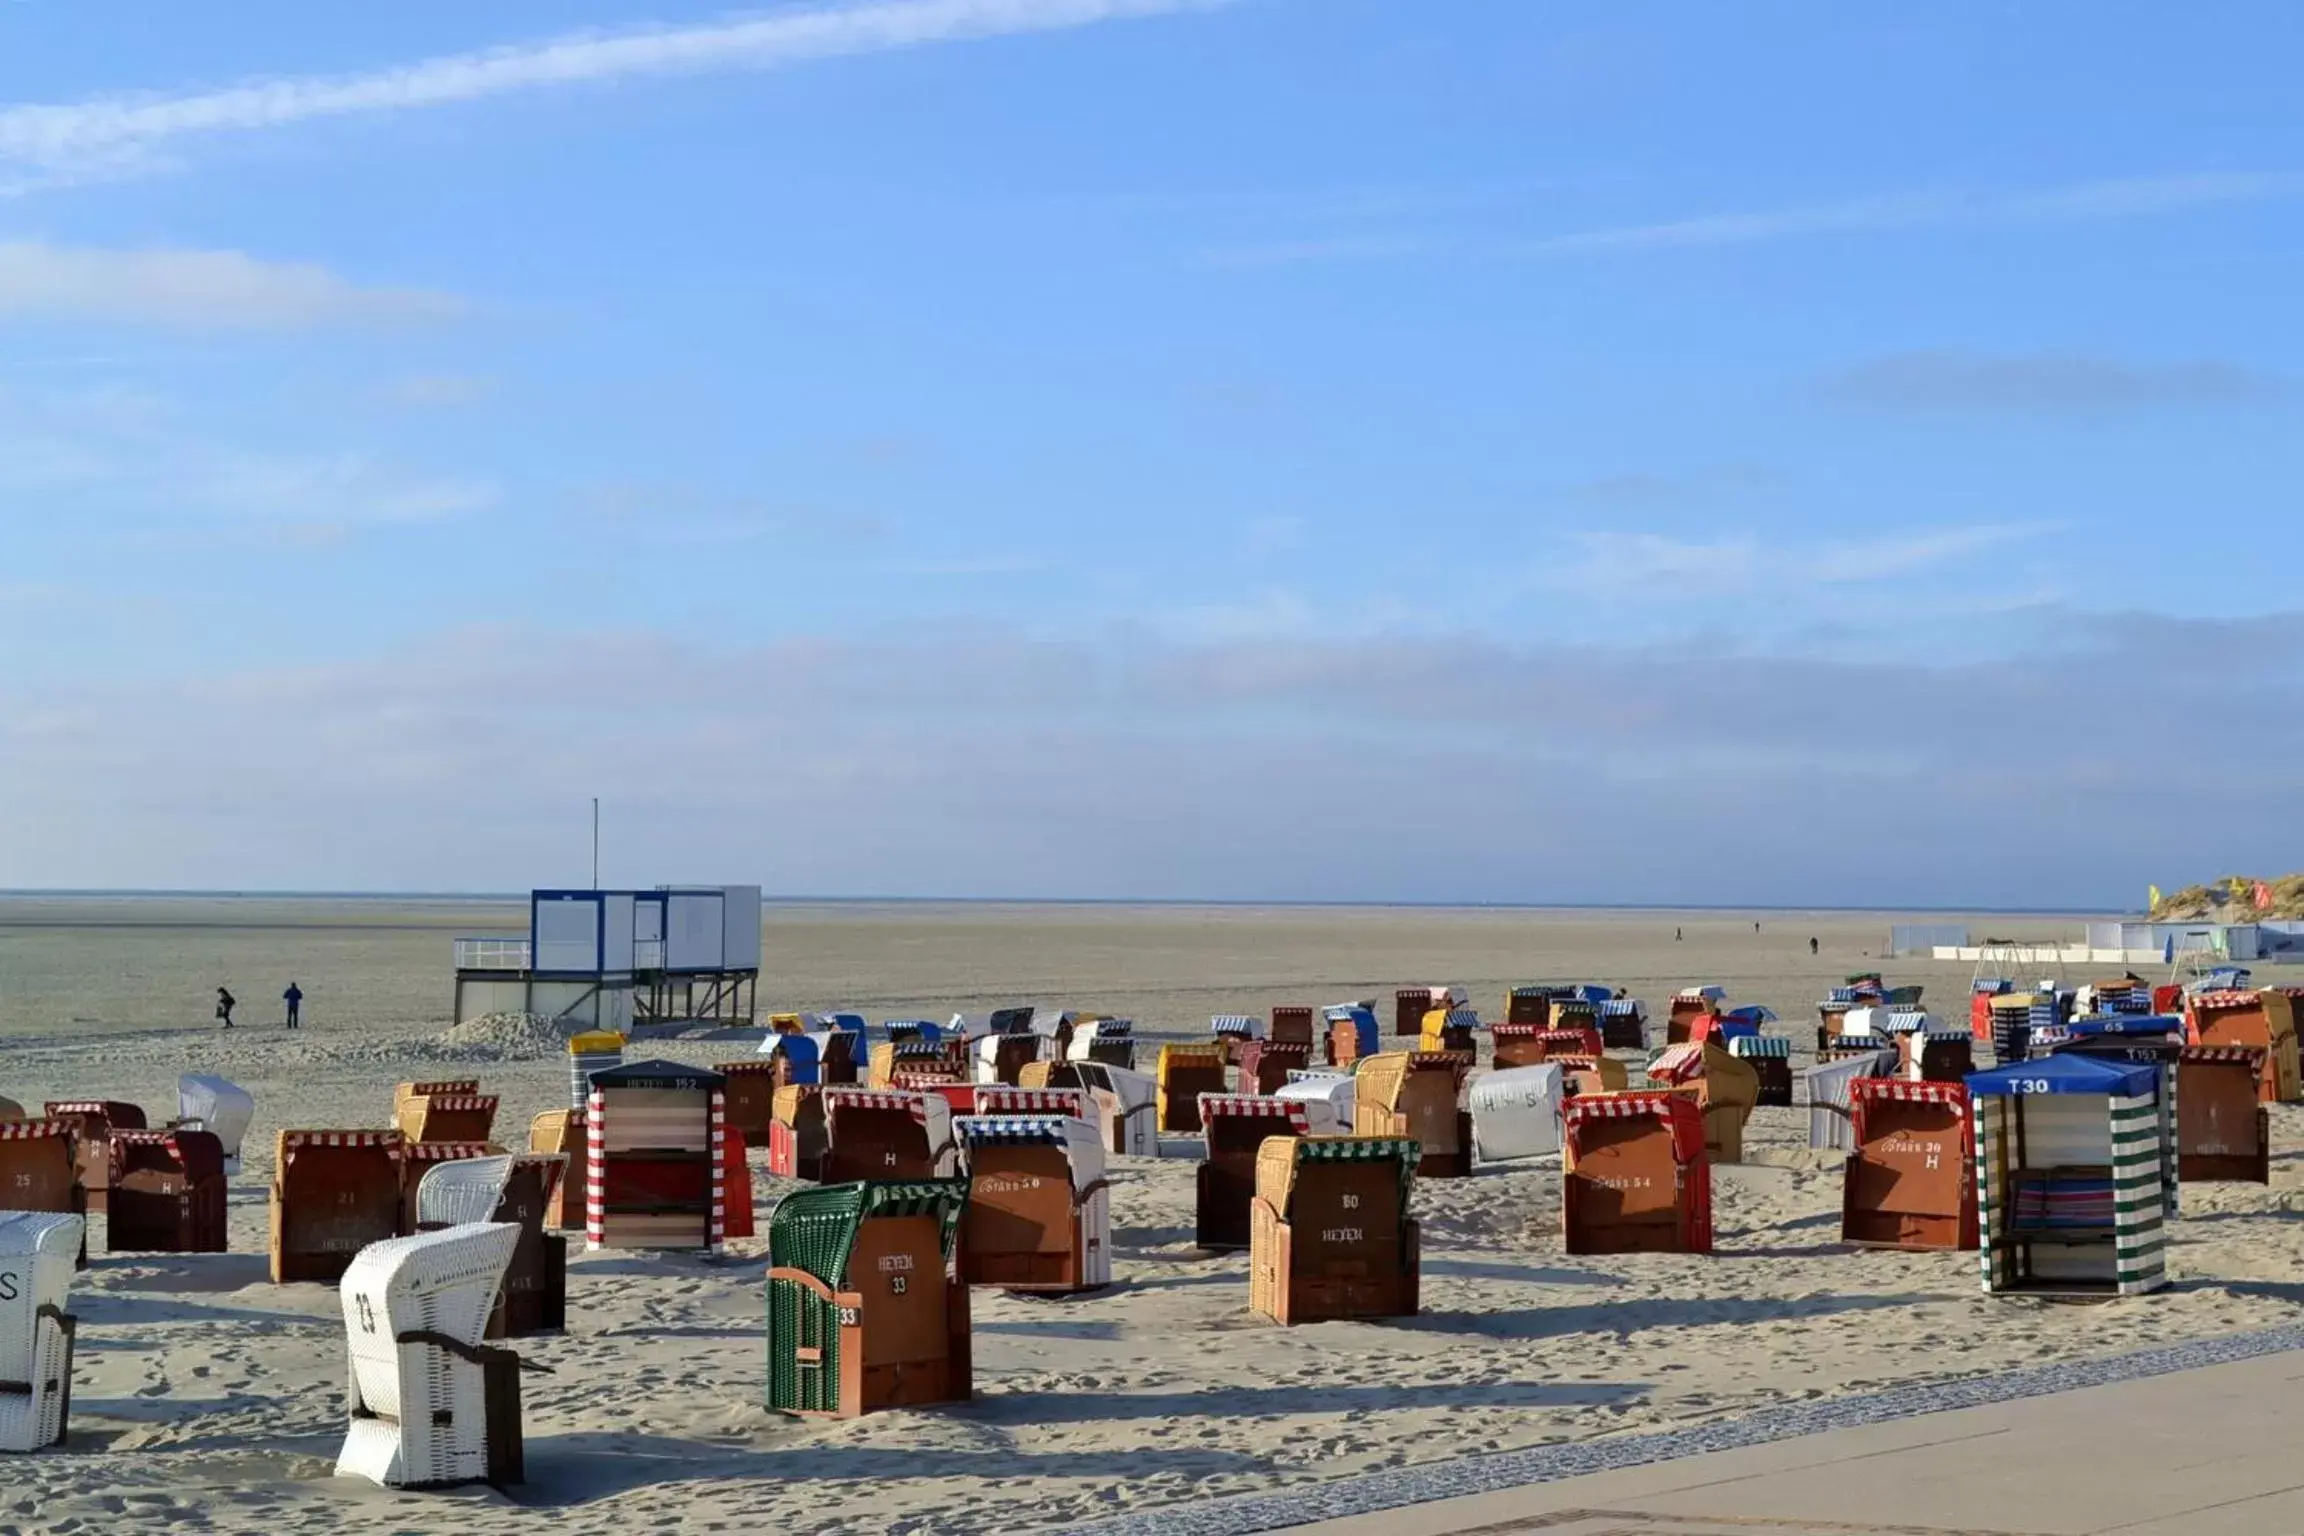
<point x="956" y="758"/>
<point x="1741" y="563"/>
<point x="1883" y="213"/>
<point x="440" y="390"/>
<point x="2123" y="198"/>
<point x="194" y="290"/>
<point x="136" y="461"/>
<point x="106" y="134"/>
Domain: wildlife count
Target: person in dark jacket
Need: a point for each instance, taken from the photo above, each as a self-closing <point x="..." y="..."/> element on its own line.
<point x="225" y="1003"/>
<point x="294" y="998"/>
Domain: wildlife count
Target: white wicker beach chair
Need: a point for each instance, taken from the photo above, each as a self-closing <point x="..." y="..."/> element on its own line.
<point x="457" y="1193"/>
<point x="1516" y="1113"/>
<point x="1328" y="1099"/>
<point x="431" y="1405"/>
<point x="38" y="1250"/>
<point x="223" y="1108"/>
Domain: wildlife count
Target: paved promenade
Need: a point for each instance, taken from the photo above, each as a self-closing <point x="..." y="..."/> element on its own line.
<point x="2210" y="1452"/>
<point x="2196" y="1439"/>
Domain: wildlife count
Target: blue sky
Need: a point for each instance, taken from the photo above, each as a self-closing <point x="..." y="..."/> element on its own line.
<point x="1286" y="448"/>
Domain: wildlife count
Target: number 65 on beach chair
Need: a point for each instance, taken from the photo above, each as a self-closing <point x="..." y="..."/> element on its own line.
<point x="864" y="1309"/>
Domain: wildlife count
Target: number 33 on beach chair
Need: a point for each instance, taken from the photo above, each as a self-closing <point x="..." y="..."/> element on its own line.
<point x="865" y="1310"/>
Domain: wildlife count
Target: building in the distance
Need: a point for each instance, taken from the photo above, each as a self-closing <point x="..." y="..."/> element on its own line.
<point x="616" y="959"/>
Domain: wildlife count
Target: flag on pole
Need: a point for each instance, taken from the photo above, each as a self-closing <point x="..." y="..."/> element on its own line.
<point x="2168" y="950"/>
<point x="2154" y="904"/>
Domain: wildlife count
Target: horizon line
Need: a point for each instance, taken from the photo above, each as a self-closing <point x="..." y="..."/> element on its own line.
<point x="171" y="893"/>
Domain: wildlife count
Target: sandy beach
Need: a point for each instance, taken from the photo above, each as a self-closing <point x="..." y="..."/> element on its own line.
<point x="208" y="1399"/>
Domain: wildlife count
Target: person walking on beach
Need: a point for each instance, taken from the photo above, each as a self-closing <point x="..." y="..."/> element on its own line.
<point x="225" y="1003"/>
<point x="1811" y="946"/>
<point x="294" y="998"/>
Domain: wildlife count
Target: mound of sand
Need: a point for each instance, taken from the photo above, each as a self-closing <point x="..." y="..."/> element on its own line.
<point x="503" y="1037"/>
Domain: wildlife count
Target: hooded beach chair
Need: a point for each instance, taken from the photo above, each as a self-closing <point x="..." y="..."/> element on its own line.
<point x="2014" y="1016"/>
<point x="1726" y="1090"/>
<point x="1327" y="1096"/>
<point x="1186" y="1072"/>
<point x="168" y="1192"/>
<point x="1002" y="1058"/>
<point x="419" y="1158"/>
<point x="1634" y="1178"/>
<point x="1530" y="1006"/>
<point x="1003" y="1100"/>
<point x="1108" y="1042"/>
<point x="1590" y="1074"/>
<point x="40" y="1169"/>
<point x="1350" y="1033"/>
<point x="38" y="1252"/>
<point x="1770" y="1058"/>
<point x="444" y="1114"/>
<point x="222" y="1108"/>
<point x="1831" y="1014"/>
<point x="914" y="1056"/>
<point x="461" y="1191"/>
<point x="333" y="1193"/>
<point x="2070" y="1179"/>
<point x="1730" y="1024"/>
<point x="2223" y="1130"/>
<point x="432" y="1406"/>
<point x="513" y="1189"/>
<point x="1910" y="1179"/>
<point x="1934" y="1050"/>
<point x="1448" y="1029"/>
<point x="751" y="1096"/>
<point x="1981" y="991"/>
<point x="535" y="1296"/>
<point x="1417" y="1096"/>
<point x="1409" y="1005"/>
<point x="796" y="1132"/>
<point x="10" y="1110"/>
<point x="1292" y="1025"/>
<point x="1039" y="1214"/>
<point x="1518" y="1043"/>
<point x="1231" y="1031"/>
<point x="1330" y="1236"/>
<point x="1688" y="1005"/>
<point x="93" y="1121"/>
<point x="865" y="1310"/>
<point x="657" y="1179"/>
<point x="1265" y="1064"/>
<point x="1623" y="1024"/>
<point x="593" y="1051"/>
<point x="1124" y="1104"/>
<point x="561" y="1132"/>
<point x="2265" y="1019"/>
<point x="1831" y="1094"/>
<point x="872" y="1133"/>
<point x="1516" y="1113"/>
<point x="1236" y="1125"/>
